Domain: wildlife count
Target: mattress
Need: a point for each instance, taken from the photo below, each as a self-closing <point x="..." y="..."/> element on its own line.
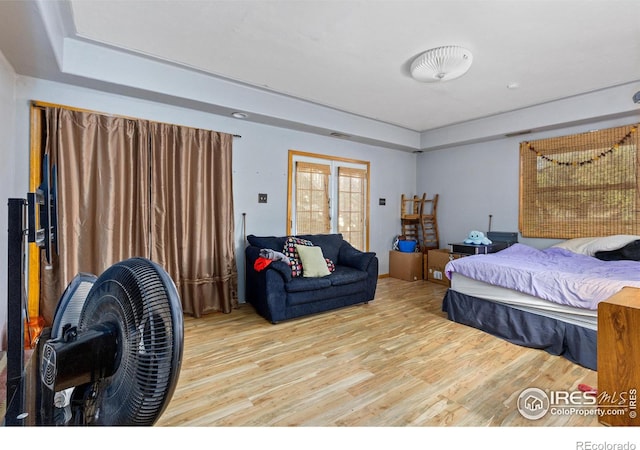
<point x="554" y="274"/>
<point x="576" y="316"/>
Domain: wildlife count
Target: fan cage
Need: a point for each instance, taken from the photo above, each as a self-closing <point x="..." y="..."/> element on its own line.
<point x="141" y="299"/>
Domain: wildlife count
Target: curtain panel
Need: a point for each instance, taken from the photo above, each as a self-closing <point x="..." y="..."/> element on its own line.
<point x="130" y="187"/>
<point x="103" y="207"/>
<point x="192" y="220"/>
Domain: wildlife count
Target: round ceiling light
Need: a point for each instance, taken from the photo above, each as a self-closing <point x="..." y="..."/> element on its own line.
<point x="441" y="64"/>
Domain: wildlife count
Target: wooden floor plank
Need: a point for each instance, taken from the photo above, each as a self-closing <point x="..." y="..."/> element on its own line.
<point x="396" y="361"/>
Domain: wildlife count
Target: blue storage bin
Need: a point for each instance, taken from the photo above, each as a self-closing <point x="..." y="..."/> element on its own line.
<point x="407" y="246"/>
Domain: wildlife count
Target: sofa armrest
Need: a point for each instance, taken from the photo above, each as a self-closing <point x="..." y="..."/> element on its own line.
<point x="252" y="253"/>
<point x="282" y="268"/>
<point x="365" y="261"/>
<point x="352" y="257"/>
<point x="265" y="289"/>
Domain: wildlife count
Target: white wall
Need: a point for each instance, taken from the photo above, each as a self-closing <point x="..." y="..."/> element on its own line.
<point x="9" y="185"/>
<point x="476" y="180"/>
<point x="473" y="180"/>
<point x="260" y="159"/>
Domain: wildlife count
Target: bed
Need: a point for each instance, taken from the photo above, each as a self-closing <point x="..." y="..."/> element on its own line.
<point x="546" y="299"/>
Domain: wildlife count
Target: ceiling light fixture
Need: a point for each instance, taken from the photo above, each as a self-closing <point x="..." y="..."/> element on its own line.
<point x="636" y="97"/>
<point x="240" y="115"/>
<point x="441" y="64"/>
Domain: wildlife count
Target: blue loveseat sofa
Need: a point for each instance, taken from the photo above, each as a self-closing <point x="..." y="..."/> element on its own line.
<point x="277" y="295"/>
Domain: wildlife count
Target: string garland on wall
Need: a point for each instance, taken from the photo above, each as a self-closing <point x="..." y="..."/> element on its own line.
<point x="591" y="160"/>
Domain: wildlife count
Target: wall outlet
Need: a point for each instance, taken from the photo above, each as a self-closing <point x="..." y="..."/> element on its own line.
<point x="437" y="275"/>
<point x="262" y="198"/>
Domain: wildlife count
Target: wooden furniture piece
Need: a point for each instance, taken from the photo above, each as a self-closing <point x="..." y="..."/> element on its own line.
<point x="619" y="357"/>
<point x="418" y="220"/>
<point x="429" y="224"/>
<point x="410" y="213"/>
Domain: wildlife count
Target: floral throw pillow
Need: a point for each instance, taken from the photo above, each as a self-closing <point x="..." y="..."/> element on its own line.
<point x="330" y="265"/>
<point x="294" y="258"/>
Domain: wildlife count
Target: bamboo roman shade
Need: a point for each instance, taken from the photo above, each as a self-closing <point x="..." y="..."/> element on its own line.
<point x="581" y="185"/>
<point x="312" y="198"/>
<point x="352" y="183"/>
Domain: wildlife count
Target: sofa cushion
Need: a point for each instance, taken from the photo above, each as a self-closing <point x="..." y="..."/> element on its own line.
<point x="313" y="262"/>
<point x="301" y="284"/>
<point x="272" y="242"/>
<point x="346" y="275"/>
<point x="352" y="257"/>
<point x="330" y="243"/>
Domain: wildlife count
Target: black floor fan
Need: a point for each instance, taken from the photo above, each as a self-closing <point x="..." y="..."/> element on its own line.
<point x="115" y="349"/>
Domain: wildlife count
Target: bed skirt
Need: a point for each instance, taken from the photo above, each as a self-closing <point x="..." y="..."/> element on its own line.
<point x="576" y="343"/>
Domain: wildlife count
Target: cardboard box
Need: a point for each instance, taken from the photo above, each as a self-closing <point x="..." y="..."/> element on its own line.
<point x="436" y="260"/>
<point x="405" y="266"/>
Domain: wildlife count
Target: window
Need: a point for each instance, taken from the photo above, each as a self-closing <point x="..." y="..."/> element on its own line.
<point x="581" y="185"/>
<point x="312" y="198"/>
<point x="351" y="204"/>
<point x="329" y="195"/>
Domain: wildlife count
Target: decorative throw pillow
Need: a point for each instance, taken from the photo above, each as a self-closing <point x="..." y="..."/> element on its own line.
<point x="313" y="262"/>
<point x="294" y="258"/>
<point x="330" y="265"/>
<point x="590" y="245"/>
<point x="630" y="252"/>
<point x="290" y="251"/>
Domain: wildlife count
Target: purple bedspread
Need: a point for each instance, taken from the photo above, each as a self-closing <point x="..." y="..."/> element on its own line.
<point x="553" y="274"/>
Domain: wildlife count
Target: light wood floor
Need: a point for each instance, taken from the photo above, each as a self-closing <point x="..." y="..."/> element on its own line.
<point x="396" y="361"/>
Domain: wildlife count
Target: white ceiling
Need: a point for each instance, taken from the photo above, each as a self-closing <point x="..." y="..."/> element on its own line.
<point x="354" y="55"/>
<point x="339" y="66"/>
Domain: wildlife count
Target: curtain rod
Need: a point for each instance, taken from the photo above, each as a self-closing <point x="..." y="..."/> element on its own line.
<point x="39" y="104"/>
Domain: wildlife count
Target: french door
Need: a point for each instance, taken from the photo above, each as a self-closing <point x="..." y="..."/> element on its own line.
<point x="329" y="195"/>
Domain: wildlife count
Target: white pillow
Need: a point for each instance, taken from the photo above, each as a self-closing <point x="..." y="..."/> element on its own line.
<point x="590" y="245"/>
<point x="313" y="262"/>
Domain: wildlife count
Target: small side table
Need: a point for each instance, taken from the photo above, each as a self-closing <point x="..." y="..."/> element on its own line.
<point x="477" y="249"/>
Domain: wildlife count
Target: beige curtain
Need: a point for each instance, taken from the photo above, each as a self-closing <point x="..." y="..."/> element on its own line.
<point x="129" y="187"/>
<point x="103" y="202"/>
<point x="192" y="221"/>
